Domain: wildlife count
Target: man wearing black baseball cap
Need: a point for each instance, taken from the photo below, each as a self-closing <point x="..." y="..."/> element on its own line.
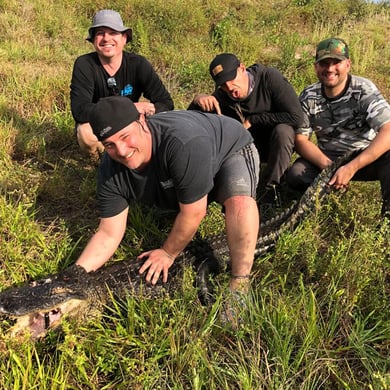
<point x="346" y="113"/>
<point x="265" y="103"/>
<point x="180" y="161"/>
<point x="224" y="68"/>
<point x="112" y="71"/>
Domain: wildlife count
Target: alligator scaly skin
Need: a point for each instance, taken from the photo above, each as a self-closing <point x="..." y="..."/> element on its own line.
<point x="36" y="300"/>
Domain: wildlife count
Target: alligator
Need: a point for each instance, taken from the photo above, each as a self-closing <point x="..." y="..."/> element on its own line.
<point x="38" y="306"/>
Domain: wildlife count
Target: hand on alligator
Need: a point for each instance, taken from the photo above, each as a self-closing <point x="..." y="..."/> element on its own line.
<point x="341" y="178"/>
<point x="157" y="261"/>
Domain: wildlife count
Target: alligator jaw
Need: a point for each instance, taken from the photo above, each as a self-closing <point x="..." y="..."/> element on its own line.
<point x="45" y="294"/>
<point x="36" y="325"/>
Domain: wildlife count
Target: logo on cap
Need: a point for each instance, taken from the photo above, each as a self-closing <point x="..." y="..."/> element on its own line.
<point x="105" y="131"/>
<point x="217" y="69"/>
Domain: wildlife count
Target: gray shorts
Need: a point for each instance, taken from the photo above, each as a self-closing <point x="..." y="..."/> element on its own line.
<point x="239" y="175"/>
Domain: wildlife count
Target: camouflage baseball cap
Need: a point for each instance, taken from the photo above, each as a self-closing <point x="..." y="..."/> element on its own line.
<point x="332" y="48"/>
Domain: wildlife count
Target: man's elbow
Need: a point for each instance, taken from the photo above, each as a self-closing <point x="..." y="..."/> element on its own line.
<point x="297" y="119"/>
<point x="301" y="143"/>
<point x="164" y="106"/>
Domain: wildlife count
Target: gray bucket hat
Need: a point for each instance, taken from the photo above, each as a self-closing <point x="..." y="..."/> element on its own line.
<point x="111" y="19"/>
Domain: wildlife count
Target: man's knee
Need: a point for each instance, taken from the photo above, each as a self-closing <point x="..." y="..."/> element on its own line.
<point x="240" y="206"/>
<point x="238" y="201"/>
<point x="292" y="176"/>
<point x="284" y="133"/>
<point x="281" y="144"/>
<point x="299" y="176"/>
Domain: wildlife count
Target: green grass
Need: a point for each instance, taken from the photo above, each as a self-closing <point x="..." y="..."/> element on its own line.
<point x="318" y="317"/>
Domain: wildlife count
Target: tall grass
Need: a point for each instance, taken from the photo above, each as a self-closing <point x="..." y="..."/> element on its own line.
<point x="318" y="317"/>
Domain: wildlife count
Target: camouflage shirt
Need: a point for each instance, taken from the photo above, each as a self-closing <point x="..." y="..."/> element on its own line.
<point x="349" y="121"/>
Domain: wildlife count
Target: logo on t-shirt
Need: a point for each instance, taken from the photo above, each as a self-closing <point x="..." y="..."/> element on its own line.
<point x="166" y="184"/>
<point x="127" y="90"/>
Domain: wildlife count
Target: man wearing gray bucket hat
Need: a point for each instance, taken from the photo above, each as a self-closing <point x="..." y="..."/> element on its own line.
<point x="108" y="71"/>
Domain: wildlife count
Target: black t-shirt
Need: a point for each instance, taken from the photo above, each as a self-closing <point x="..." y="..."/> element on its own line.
<point x="135" y="78"/>
<point x="189" y="148"/>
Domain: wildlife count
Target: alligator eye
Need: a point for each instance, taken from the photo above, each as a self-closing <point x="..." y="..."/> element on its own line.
<point x="41" y="282"/>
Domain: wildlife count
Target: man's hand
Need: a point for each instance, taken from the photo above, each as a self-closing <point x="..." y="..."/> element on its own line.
<point x="185" y="226"/>
<point x="342" y="177"/>
<point x="247" y="124"/>
<point x="158" y="260"/>
<point x="145" y="108"/>
<point x="207" y="103"/>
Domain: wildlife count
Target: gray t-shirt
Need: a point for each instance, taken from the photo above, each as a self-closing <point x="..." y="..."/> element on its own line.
<point x="189" y="148"/>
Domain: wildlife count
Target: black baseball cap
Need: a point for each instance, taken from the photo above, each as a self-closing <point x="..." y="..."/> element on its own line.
<point x="224" y="68"/>
<point x="112" y="114"/>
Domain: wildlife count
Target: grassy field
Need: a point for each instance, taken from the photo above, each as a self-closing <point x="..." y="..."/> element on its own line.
<point x="320" y="314"/>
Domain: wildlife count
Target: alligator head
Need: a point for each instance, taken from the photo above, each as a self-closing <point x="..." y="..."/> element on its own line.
<point x="41" y="304"/>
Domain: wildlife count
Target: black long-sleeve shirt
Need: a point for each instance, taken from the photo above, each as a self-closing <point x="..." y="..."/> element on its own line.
<point x="135" y="78"/>
<point x="272" y="100"/>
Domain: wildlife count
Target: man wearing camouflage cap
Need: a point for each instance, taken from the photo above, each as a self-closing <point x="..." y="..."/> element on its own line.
<point x="346" y="113"/>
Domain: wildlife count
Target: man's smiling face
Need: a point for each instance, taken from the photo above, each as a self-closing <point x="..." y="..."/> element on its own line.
<point x="333" y="74"/>
<point x="131" y="146"/>
<point x="109" y="43"/>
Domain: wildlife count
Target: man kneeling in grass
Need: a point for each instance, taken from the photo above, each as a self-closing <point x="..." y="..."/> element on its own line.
<point x="346" y="113"/>
<point x="176" y="160"/>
